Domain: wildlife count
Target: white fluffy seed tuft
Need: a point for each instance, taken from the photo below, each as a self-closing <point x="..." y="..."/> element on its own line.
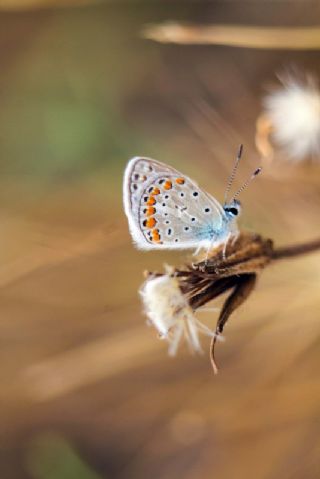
<point x="294" y="112"/>
<point x="169" y="312"/>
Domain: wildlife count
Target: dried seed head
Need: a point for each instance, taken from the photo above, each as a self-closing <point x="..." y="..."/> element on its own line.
<point x="171" y="299"/>
<point x="169" y="311"/>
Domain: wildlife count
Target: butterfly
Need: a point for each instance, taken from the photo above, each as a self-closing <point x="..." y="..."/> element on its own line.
<point x="167" y="210"/>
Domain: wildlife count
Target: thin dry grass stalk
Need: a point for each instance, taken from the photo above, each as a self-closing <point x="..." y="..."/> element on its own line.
<point x="288" y="38"/>
<point x="21" y="5"/>
<point x="234" y="272"/>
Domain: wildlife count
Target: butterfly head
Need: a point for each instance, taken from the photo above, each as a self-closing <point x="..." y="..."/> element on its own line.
<point x="232" y="209"/>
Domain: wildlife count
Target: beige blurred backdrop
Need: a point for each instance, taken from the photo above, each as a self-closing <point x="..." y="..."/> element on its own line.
<point x="87" y="390"/>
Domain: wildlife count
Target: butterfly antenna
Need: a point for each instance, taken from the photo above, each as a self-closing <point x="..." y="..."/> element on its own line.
<point x="244" y="186"/>
<point x="233" y="173"/>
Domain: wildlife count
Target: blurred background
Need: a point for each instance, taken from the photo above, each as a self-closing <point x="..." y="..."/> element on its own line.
<point x="87" y="390"/>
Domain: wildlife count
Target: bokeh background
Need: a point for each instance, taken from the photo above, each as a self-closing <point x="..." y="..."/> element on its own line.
<point x="87" y="390"/>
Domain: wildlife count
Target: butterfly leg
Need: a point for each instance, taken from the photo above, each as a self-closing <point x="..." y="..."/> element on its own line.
<point x="197" y="251"/>
<point x="209" y="248"/>
<point x="208" y="251"/>
<point x="224" y="251"/>
<point x="235" y="238"/>
<point x="200" y="247"/>
<point x="207" y="254"/>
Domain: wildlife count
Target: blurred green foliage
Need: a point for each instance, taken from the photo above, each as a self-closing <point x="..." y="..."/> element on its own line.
<point x="63" y="101"/>
<point x="53" y="457"/>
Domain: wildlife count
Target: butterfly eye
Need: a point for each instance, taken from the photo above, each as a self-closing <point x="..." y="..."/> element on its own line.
<point x="232" y="211"/>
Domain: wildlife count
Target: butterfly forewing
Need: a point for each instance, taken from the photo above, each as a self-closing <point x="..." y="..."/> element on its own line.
<point x="166" y="209"/>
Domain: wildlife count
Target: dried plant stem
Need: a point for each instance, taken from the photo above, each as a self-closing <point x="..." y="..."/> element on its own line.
<point x="296" y="250"/>
<point x="289" y="38"/>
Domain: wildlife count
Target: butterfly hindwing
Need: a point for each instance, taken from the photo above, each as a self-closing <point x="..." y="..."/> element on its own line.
<point x="166" y="209"/>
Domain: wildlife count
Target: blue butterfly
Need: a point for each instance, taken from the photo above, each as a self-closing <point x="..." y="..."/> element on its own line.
<point x="167" y="210"/>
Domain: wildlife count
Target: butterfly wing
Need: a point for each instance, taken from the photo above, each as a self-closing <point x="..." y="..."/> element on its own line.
<point x="166" y="209"/>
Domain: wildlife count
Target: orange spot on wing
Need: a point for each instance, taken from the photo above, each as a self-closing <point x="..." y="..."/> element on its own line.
<point x="155" y="235"/>
<point x="150" y="211"/>
<point x="150" y="222"/>
<point x="151" y="201"/>
<point x="180" y="181"/>
<point x="155" y="191"/>
<point x="167" y="185"/>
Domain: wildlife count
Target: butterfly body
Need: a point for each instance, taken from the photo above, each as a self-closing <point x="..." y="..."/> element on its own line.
<point x="167" y="210"/>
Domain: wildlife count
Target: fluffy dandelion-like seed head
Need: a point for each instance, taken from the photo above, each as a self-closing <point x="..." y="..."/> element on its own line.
<point x="169" y="312"/>
<point x="294" y="114"/>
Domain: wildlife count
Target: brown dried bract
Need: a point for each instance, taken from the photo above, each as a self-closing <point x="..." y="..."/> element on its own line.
<point x="234" y="271"/>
